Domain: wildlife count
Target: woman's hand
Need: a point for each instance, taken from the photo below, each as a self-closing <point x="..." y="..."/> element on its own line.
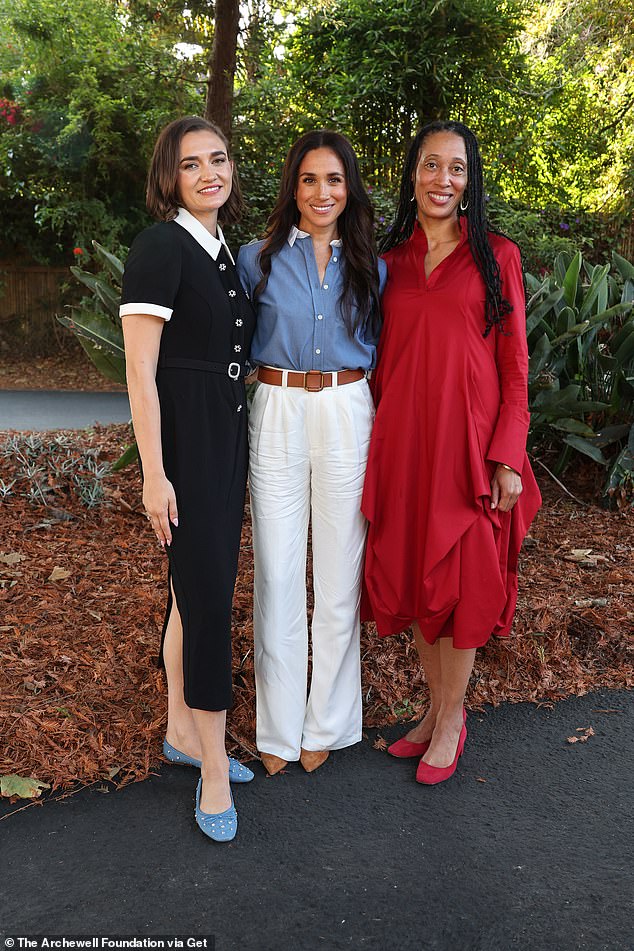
<point x="506" y="488"/>
<point x="159" y="500"/>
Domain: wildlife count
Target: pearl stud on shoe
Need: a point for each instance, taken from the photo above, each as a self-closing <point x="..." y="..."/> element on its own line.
<point x="219" y="826"/>
<point x="238" y="772"/>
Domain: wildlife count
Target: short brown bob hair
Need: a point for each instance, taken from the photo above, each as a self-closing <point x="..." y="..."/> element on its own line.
<point x="161" y="196"/>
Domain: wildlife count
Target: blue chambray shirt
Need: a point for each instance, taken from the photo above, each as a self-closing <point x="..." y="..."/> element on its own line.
<point x="299" y="324"/>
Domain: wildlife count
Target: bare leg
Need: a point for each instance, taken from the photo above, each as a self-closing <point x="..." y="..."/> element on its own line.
<point x="199" y="733"/>
<point x="455" y="670"/>
<point x="430" y="659"/>
<point x="181" y="727"/>
<point x="210" y="724"/>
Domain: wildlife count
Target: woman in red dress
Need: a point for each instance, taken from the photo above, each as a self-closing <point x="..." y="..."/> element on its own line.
<point x="449" y="492"/>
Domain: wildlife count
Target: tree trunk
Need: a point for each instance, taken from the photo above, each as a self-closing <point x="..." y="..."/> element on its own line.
<point x="222" y="65"/>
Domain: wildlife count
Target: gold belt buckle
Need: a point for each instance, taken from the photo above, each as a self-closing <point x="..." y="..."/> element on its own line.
<point x="313" y="374"/>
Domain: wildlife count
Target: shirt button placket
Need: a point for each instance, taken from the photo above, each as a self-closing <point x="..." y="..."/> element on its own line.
<point x="237" y="329"/>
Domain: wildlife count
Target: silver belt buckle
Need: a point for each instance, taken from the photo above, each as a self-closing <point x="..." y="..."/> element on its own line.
<point x="234" y="373"/>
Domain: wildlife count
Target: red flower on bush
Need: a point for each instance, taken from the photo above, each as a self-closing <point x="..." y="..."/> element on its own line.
<point x="78" y="252"/>
<point x="9" y="111"/>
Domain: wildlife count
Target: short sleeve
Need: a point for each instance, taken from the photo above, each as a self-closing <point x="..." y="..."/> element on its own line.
<point x="152" y="274"/>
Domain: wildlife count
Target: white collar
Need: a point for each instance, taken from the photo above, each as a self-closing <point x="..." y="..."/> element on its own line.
<point x="200" y="234"/>
<point x="295" y="233"/>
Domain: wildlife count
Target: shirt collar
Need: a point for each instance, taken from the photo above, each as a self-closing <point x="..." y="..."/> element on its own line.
<point x="295" y="233"/>
<point x="200" y="234"/>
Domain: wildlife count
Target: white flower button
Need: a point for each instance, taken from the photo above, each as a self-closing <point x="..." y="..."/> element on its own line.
<point x="232" y="293"/>
<point x="239" y="322"/>
<point x="237" y="348"/>
<point x="222" y="267"/>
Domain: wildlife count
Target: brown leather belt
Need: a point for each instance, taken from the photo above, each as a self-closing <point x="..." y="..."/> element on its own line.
<point x="313" y="380"/>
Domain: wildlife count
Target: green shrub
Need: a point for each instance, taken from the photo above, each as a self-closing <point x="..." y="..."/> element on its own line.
<point x="96" y="323"/>
<point x="580" y="329"/>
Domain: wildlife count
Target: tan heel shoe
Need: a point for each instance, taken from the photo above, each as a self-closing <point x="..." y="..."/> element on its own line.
<point x="313" y="759"/>
<point x="272" y="764"/>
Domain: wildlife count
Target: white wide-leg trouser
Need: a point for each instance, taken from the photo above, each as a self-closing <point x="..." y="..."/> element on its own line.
<point x="308" y="455"/>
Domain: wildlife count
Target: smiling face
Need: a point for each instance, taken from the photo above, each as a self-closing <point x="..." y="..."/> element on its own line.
<point x="204" y="176"/>
<point x="322" y="192"/>
<point x="441" y="175"/>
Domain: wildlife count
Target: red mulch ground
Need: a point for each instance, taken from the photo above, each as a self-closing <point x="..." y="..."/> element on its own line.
<point x="81" y="605"/>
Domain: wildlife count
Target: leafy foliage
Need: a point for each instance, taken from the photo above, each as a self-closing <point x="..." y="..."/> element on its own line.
<point x="97" y="325"/>
<point x="381" y="68"/>
<point x="95" y="321"/>
<point x="580" y="330"/>
<point x="86" y="86"/>
<point x="93" y="83"/>
<point x="51" y="473"/>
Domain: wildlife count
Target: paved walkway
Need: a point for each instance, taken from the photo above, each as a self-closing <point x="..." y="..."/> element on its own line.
<point x="42" y="410"/>
<point x="527" y="847"/>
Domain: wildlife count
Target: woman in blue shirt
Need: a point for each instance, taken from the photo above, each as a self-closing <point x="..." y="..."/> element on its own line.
<point x="315" y="280"/>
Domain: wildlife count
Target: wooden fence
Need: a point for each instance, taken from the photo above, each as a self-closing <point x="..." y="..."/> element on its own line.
<point x="30" y="296"/>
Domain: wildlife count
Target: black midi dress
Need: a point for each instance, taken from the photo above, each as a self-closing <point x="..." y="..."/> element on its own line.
<point x="179" y="272"/>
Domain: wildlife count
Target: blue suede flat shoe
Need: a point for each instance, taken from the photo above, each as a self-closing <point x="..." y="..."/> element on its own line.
<point x="238" y="773"/>
<point x="219" y="826"/>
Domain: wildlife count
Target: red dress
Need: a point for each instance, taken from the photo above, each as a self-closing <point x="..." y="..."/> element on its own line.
<point x="451" y="404"/>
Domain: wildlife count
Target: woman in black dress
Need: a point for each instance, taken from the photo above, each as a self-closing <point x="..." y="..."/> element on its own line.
<point x="187" y="328"/>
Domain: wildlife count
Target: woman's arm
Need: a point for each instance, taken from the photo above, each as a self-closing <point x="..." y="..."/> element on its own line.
<point x="142" y="337"/>
<point x="508" y="445"/>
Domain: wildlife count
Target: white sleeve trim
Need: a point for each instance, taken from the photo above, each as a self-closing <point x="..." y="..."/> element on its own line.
<point x="155" y="310"/>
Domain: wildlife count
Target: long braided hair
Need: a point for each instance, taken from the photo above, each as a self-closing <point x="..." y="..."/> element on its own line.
<point x="496" y="306"/>
<point x="355" y="226"/>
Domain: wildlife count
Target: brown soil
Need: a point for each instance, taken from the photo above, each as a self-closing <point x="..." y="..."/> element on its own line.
<point x="81" y="604"/>
<point x="68" y="371"/>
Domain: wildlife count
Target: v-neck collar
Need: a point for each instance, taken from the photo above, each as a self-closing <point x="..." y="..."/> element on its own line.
<point x="200" y="234"/>
<point x="421" y="246"/>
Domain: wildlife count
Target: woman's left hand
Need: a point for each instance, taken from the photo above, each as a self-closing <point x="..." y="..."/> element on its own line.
<point x="506" y="488"/>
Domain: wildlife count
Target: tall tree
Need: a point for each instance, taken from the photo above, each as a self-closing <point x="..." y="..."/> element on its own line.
<point x="222" y="65"/>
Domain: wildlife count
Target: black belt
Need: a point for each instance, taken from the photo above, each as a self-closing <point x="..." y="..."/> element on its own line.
<point x="233" y="370"/>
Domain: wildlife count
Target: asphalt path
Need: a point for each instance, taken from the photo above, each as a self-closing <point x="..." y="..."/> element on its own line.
<point x="528" y="846"/>
<point x="41" y="410"/>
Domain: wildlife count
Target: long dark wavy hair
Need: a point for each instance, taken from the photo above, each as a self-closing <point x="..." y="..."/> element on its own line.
<point x="355" y="225"/>
<point x="496" y="306"/>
